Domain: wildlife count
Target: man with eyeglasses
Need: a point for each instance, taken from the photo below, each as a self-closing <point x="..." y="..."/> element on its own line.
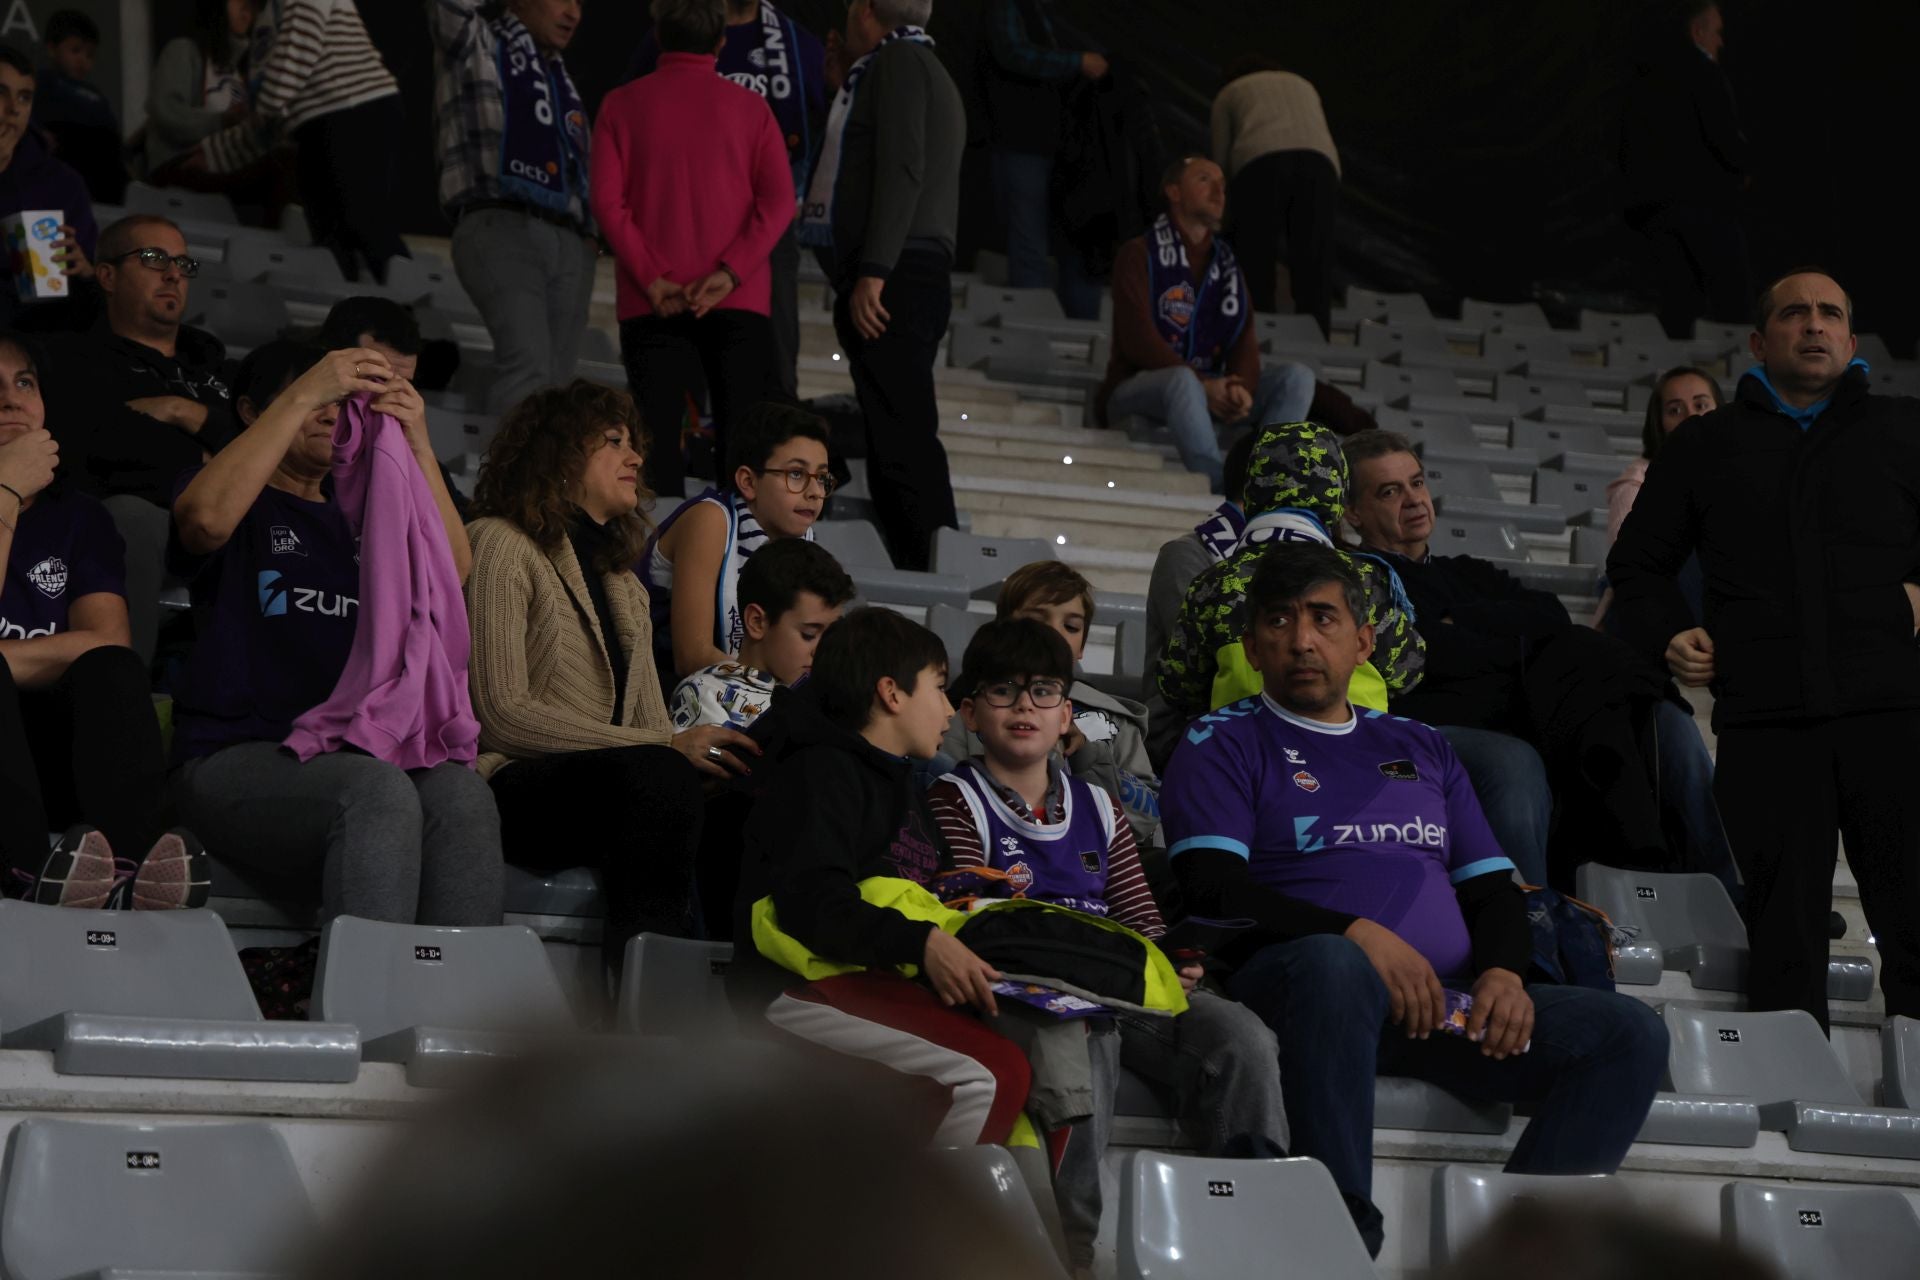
<point x="141" y="397"/>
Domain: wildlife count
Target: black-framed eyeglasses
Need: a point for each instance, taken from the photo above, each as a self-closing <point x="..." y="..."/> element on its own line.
<point x="1045" y="694"/>
<point x="798" y="478"/>
<point x="157" y="259"/>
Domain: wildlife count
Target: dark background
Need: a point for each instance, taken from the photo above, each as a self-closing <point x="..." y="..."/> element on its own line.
<point x="1478" y="139"/>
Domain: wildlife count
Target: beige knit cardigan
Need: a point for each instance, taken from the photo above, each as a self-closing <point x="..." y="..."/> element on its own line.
<point x="541" y="673"/>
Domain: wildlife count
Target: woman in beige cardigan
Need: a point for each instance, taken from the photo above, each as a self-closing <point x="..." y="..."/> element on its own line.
<point x="574" y="734"/>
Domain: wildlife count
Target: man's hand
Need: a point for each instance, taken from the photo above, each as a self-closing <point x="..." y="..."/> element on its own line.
<point x="1093" y="65"/>
<point x="26" y="466"/>
<point x="1227" y="400"/>
<point x="959" y="976"/>
<point x="1189" y="976"/>
<point x="175" y="411"/>
<point x="1419" y="1004"/>
<point x="402" y="403"/>
<point x="666" y="298"/>
<point x="67" y="252"/>
<point x="1690" y="657"/>
<point x="1502" y="1017"/>
<point x="709" y="292"/>
<point x="869" y="317"/>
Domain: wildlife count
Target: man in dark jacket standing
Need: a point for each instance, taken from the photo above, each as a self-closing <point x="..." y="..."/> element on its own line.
<point x="1802" y="497"/>
<point x="884" y="202"/>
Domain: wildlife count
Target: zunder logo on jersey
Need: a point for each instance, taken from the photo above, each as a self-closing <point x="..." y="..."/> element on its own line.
<point x="1416" y="831"/>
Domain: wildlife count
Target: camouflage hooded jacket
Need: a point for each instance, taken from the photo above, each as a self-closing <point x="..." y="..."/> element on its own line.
<point x="1296" y="470"/>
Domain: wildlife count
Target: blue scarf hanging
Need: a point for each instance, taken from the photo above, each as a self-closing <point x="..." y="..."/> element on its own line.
<point x="769" y="63"/>
<point x="1200" y="325"/>
<point x="543" y="136"/>
<point x="816" y="213"/>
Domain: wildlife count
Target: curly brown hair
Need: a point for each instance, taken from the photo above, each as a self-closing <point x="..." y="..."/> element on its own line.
<point x="536" y="458"/>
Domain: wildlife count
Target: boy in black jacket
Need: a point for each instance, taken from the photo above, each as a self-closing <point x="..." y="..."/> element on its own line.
<point x="842" y="806"/>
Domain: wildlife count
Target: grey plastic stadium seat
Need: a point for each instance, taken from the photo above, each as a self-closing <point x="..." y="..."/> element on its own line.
<point x="1377" y="339"/>
<point x="1874" y="349"/>
<point x="1557" y="437"/>
<point x="1462" y="480"/>
<point x="1590" y="545"/>
<point x="992" y="1175"/>
<point x="150" y="993"/>
<point x="1478" y="410"/>
<point x="1288" y="333"/>
<point x="1475" y="538"/>
<point x="1203" y="1219"/>
<point x="1400" y="1102"/>
<point x="243" y="314"/>
<point x="86" y="1198"/>
<point x="1530" y="390"/>
<point x="857" y="546"/>
<point x="1900" y="1062"/>
<point x="1783" y="1063"/>
<point x="574" y="891"/>
<point x="1807" y="1230"/>
<point x="285" y="267"/>
<point x="1467" y="1200"/>
<point x="1696" y="926"/>
<point x="1399" y="308"/>
<point x="1393" y="380"/>
<point x="1569" y="493"/>
<point x="675" y="987"/>
<point x="1507" y="315"/>
<point x="1630" y="326"/>
<point x="1701" y="1120"/>
<point x="1430" y="428"/>
<point x="179" y="204"/>
<point x="1606" y="465"/>
<point x="988" y="302"/>
<point x="955" y="627"/>
<point x="436" y="999"/>
<point x="983" y="562"/>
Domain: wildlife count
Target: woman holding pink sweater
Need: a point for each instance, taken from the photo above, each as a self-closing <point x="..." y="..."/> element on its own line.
<point x="692" y="188"/>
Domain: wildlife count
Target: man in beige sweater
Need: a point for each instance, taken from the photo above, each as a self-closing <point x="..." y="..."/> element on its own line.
<point x="1270" y="135"/>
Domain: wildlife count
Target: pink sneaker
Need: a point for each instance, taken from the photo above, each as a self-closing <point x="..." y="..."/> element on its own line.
<point x="79" y="872"/>
<point x="173" y="875"/>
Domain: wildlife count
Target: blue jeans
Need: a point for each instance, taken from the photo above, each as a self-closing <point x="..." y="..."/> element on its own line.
<point x="1686" y="785"/>
<point x="1510" y="780"/>
<point x="1596" y="1060"/>
<point x="1022" y="195"/>
<point x="1176" y="397"/>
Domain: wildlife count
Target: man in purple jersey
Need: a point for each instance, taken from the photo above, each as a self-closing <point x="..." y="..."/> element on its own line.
<point x="1355" y="841"/>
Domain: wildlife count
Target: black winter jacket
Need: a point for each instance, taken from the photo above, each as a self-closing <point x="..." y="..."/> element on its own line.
<point x="1805" y="540"/>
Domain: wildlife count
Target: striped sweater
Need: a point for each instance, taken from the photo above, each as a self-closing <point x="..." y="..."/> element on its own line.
<point x="321" y="61"/>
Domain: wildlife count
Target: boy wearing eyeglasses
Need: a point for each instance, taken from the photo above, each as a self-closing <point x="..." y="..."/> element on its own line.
<point x="776" y="484"/>
<point x="1015" y="810"/>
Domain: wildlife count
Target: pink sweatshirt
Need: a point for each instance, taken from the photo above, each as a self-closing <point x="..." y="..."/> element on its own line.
<point x="689" y="170"/>
<point x="402" y="696"/>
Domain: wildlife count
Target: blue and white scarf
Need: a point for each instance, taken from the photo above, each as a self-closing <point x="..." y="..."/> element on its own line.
<point x="770" y="64"/>
<point x="1220" y="532"/>
<point x="543" y="134"/>
<point x="1200" y="325"/>
<point x="816" y="212"/>
<point x="1290" y="524"/>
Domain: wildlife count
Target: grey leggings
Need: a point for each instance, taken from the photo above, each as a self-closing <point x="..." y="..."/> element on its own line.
<point x="414" y="848"/>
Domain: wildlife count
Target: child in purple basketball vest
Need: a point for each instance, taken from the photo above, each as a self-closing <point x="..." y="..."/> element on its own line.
<point x="1015" y="810"/>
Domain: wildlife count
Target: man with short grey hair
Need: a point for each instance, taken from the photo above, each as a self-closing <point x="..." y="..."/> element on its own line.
<point x="883" y="206"/>
<point x="1801" y="496"/>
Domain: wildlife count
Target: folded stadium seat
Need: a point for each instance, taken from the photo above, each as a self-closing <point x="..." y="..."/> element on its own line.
<point x="1549" y="438"/>
<point x="1601" y="466"/>
<point x="1479" y="410"/>
<point x="1782" y="1062"/>
<point x="1900" y="1062"/>
<point x="1696" y="928"/>
<point x="244" y="315"/>
<point x="856" y="544"/>
<point x="1462" y="480"/>
<point x="1371" y="304"/>
<point x="1392" y="381"/>
<point x="1281" y="333"/>
<point x="1638" y="326"/>
<point x="1836" y="1233"/>
<point x="1722" y="335"/>
<point x="1511" y="352"/>
<point x="86" y="1198"/>
<point x="1467" y="1200"/>
<point x="1496" y="458"/>
<point x="1448" y="429"/>
<point x="300" y="271"/>
<point x="1499" y="542"/>
<point x="1568" y="492"/>
<point x="1510" y="316"/>
<point x="1530" y="391"/>
<point x="996" y="1184"/>
<point x="675" y="987"/>
<point x="1895" y="379"/>
<point x="969" y="345"/>
<point x="1399" y="1102"/>
<point x="990" y="302"/>
<point x="1377" y="339"/>
<point x="455" y="432"/>
<point x="1212" y="1219"/>
<point x="177" y="204"/>
<point x="955" y="627"/>
<point x="1590" y="545"/>
<point x="1621" y="424"/>
<point x="150" y="993"/>
<point x="573" y="892"/>
<point x="983" y="562"/>
<point x="437" y="999"/>
<point x="854" y="499"/>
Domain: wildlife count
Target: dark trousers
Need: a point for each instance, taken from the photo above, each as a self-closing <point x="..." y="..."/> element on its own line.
<point x="346" y="177"/>
<point x="633" y="812"/>
<point x="893" y="377"/>
<point x="668" y="358"/>
<point x="1701" y="258"/>
<point x="1290" y="197"/>
<point x="85" y="748"/>
<point x="1786" y="791"/>
<point x="1596" y="1060"/>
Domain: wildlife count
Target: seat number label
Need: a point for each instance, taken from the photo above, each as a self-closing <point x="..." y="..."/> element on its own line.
<point x="143" y="1160"/>
<point x="1729" y="1035"/>
<point x="1222" y="1188"/>
<point x="102" y="938"/>
<point x="427" y="955"/>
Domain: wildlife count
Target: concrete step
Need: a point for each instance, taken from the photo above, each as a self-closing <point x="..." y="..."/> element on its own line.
<point x="1114" y="451"/>
<point x="1056" y="470"/>
<point x="1076" y="505"/>
<point x="1140" y="539"/>
<point x="1074" y="439"/>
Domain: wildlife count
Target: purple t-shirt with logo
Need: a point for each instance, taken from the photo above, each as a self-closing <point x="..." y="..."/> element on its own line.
<point x="65" y="547"/>
<point x="1373" y="818"/>
<point x="274" y="610"/>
